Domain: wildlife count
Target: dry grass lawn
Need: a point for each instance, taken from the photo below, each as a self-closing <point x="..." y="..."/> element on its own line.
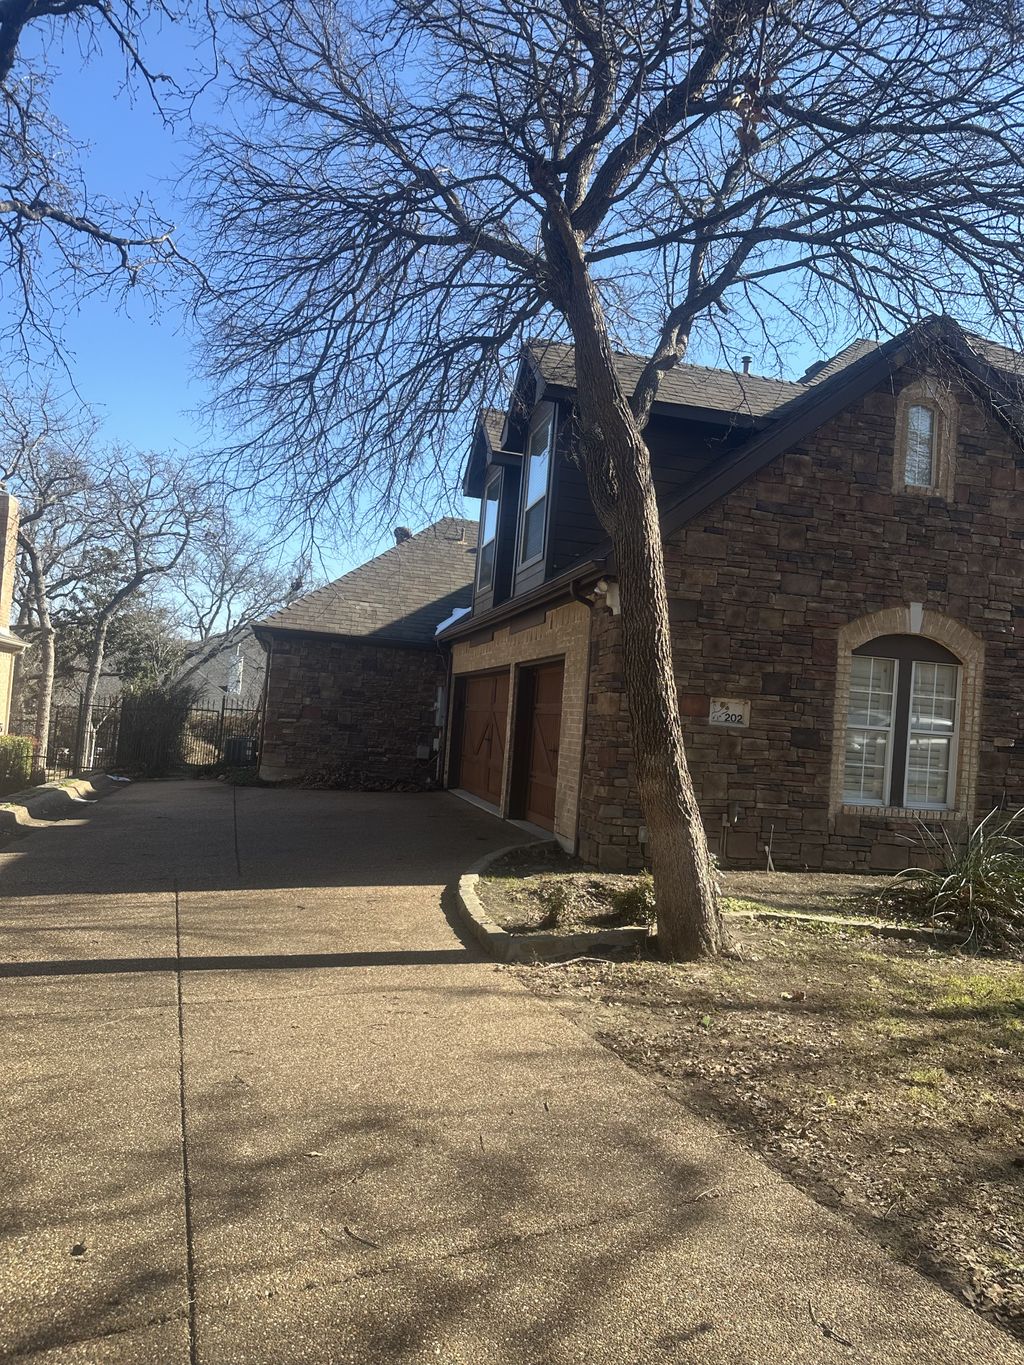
<point x="886" y="1078"/>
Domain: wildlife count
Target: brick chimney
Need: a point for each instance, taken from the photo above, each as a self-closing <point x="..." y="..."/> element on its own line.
<point x="10" y="645"/>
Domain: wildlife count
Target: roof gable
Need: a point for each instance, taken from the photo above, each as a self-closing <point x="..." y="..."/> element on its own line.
<point x="841" y="382"/>
<point x="399" y="597"/>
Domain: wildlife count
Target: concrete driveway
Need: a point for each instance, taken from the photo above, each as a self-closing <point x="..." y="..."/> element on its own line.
<point x="262" y="1106"/>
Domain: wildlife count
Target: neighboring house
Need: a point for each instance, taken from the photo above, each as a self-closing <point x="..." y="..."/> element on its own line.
<point x="232" y="676"/>
<point x="354" y="675"/>
<point x="844" y="564"/>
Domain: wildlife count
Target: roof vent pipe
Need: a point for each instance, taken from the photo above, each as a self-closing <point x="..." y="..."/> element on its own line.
<point x="402" y="533"/>
<point x="746" y="363"/>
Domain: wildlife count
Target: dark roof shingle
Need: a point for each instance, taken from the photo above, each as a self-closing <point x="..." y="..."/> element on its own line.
<point x="842" y="360"/>
<point x="397" y="598"/>
<point x="995" y="354"/>
<point x="691" y="386"/>
<point x="493" y="420"/>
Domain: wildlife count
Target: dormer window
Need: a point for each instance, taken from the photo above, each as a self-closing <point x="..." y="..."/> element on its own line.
<point x="535" y="484"/>
<point x="488" y="533"/>
<point x="926" y="428"/>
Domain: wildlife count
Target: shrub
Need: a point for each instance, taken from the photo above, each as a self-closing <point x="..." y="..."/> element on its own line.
<point x="972" y="885"/>
<point x="556" y="907"/>
<point x="17" y="762"/>
<point x="153" y="721"/>
<point x="636" y="904"/>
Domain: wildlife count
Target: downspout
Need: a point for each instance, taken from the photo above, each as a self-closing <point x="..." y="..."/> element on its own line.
<point x="442" y="745"/>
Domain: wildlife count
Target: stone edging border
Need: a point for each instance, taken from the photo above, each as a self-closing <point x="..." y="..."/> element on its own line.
<point x="21" y="811"/>
<point x="540" y="947"/>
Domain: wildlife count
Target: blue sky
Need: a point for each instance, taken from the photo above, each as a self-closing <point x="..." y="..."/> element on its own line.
<point x="138" y="368"/>
<point x="135" y="367"/>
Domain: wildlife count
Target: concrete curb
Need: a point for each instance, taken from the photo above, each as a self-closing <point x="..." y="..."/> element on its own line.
<point x="22" y="811"/>
<point x="540" y="947"/>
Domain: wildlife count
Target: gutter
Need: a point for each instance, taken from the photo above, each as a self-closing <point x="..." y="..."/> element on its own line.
<point x="287" y="633"/>
<point x="557" y="589"/>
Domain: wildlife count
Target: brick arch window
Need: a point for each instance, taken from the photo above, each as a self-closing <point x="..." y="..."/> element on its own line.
<point x="926" y="435"/>
<point x="907" y="714"/>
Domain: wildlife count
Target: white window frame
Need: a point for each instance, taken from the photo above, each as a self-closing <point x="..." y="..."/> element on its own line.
<point x="887" y="776"/>
<point x="861" y="803"/>
<point x="544" y="415"/>
<point x="493" y="479"/>
<point x="954" y="743"/>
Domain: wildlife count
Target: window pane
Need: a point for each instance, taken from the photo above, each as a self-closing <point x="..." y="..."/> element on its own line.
<point x="537" y="465"/>
<point x="488" y="531"/>
<point x="533" y="530"/>
<point x="490" y="518"/>
<point x="872" y="682"/>
<point x="930" y="740"/>
<point x="486" y="564"/>
<point x="535" y="495"/>
<point x="927" y="770"/>
<point x="864" y="767"/>
<point x="869" y="730"/>
<point x="920" y="461"/>
<point x="933" y="700"/>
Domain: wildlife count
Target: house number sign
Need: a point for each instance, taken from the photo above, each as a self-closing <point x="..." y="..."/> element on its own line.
<point x="729" y="711"/>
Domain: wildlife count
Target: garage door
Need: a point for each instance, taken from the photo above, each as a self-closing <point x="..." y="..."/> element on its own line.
<point x="482" y="748"/>
<point x="541" y="712"/>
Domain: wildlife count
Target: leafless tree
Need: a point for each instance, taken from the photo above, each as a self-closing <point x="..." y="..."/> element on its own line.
<point x="146" y="509"/>
<point x="45" y="448"/>
<point x="423" y="182"/>
<point x="229" y="578"/>
<point x="58" y="238"/>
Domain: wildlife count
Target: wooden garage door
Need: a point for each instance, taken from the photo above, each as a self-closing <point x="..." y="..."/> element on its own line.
<point x="541" y="715"/>
<point x="482" y="748"/>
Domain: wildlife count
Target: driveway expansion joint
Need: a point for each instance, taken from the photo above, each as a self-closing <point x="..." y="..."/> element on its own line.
<point x="186" y="1178"/>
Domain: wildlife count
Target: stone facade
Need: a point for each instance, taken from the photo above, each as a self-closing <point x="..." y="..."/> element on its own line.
<point x="562" y="632"/>
<point x="351" y="707"/>
<point x="771" y="587"/>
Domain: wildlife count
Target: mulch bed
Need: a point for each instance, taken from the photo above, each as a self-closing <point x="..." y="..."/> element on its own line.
<point x="522" y="890"/>
<point x="543" y="889"/>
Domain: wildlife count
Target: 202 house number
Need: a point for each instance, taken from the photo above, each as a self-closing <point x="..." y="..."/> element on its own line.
<point x="729" y="711"/>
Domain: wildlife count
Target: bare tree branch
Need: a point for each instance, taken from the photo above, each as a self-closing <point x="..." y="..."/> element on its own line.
<point x="58" y="240"/>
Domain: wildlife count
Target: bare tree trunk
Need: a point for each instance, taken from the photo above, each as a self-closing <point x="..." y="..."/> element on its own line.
<point x="44" y="697"/>
<point x="92" y="682"/>
<point x="618" y="468"/>
<point x="688" y="921"/>
<point x="47" y="651"/>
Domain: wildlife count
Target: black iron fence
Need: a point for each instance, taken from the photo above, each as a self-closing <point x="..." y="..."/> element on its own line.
<point x="130" y="735"/>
